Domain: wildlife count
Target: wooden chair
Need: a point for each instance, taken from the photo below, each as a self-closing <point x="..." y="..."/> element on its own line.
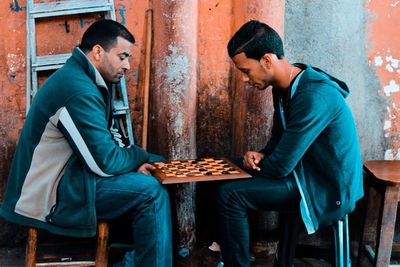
<point x="289" y="236"/>
<point x="384" y="177"/>
<point x="101" y="250"/>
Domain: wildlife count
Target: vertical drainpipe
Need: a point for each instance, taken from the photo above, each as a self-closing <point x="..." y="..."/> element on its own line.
<point x="252" y="109"/>
<point x="173" y="100"/>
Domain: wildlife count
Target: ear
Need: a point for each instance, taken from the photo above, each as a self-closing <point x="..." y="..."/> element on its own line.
<point x="266" y="61"/>
<point x="97" y="52"/>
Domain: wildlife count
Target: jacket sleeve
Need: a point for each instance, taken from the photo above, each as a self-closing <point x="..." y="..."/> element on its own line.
<point x="308" y="115"/>
<point x="83" y="122"/>
<point x="276" y="131"/>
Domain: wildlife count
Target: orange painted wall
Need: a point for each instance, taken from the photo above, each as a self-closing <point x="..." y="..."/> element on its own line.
<point x="384" y="56"/>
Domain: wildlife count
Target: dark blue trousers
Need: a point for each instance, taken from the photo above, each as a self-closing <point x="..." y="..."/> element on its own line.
<point x="147" y="203"/>
<point x="235" y="198"/>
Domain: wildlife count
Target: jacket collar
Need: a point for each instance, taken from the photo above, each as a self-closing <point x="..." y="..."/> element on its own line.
<point x="88" y="66"/>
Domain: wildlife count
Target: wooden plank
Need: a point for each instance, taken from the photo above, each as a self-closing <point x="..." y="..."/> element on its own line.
<point x="147" y="73"/>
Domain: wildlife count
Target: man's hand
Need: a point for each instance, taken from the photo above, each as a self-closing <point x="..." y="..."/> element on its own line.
<point x="146" y="168"/>
<point x="251" y="160"/>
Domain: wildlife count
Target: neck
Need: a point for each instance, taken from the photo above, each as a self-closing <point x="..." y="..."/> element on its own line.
<point x="288" y="73"/>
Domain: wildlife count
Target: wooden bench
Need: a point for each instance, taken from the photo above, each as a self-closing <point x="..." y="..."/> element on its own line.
<point x="101" y="249"/>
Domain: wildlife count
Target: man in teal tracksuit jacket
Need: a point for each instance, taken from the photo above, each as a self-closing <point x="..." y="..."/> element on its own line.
<point x="70" y="170"/>
<point x="312" y="160"/>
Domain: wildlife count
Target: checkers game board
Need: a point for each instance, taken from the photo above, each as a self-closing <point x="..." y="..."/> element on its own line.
<point x="196" y="170"/>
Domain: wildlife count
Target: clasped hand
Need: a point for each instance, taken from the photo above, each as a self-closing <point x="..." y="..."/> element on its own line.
<point x="251" y="160"/>
<point x="146" y="168"/>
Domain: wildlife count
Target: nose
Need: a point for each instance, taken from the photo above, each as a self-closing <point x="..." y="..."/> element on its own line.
<point x="126" y="65"/>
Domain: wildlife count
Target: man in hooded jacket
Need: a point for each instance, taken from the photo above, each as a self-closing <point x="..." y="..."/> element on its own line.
<point x="312" y="160"/>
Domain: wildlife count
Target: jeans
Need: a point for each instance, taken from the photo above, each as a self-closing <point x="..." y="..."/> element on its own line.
<point x="234" y="198"/>
<point x="146" y="201"/>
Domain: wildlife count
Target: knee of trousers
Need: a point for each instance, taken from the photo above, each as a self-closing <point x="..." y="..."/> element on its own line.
<point x="157" y="191"/>
<point x="225" y="194"/>
<point x="162" y="193"/>
<point x="149" y="187"/>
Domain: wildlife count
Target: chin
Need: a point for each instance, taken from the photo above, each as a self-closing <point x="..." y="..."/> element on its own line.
<point x="265" y="87"/>
<point x="116" y="80"/>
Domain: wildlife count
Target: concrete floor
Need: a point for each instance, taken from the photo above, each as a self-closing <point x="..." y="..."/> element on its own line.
<point x="15" y="258"/>
<point x="203" y="257"/>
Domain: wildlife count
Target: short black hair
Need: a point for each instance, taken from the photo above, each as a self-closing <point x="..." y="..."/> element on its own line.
<point x="104" y="33"/>
<point x="256" y="39"/>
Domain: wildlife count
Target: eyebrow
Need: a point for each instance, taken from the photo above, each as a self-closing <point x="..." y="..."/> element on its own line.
<point x="125" y="53"/>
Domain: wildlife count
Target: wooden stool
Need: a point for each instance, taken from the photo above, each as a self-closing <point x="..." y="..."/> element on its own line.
<point x="384" y="177"/>
<point x="101" y="250"/>
<point x="288" y="241"/>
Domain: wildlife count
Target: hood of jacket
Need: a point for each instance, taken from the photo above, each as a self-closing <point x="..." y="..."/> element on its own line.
<point x="317" y="75"/>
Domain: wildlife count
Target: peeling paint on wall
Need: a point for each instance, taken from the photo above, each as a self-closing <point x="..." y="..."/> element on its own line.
<point x="392" y="154"/>
<point x="15" y="62"/>
<point x="392" y="87"/>
<point x="175" y="79"/>
<point x="392" y="63"/>
<point x="177" y="75"/>
<point x="395" y="4"/>
<point x="177" y="69"/>
<point x="378" y="61"/>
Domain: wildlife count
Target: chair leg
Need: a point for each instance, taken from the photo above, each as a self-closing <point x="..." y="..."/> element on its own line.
<point x="338" y="241"/>
<point x="342" y="243"/>
<point x="371" y="218"/>
<point x="347" y="257"/>
<point x="31" y="245"/>
<point x="101" y="250"/>
<point x="102" y="240"/>
<point x="386" y="224"/>
<point x="288" y="240"/>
